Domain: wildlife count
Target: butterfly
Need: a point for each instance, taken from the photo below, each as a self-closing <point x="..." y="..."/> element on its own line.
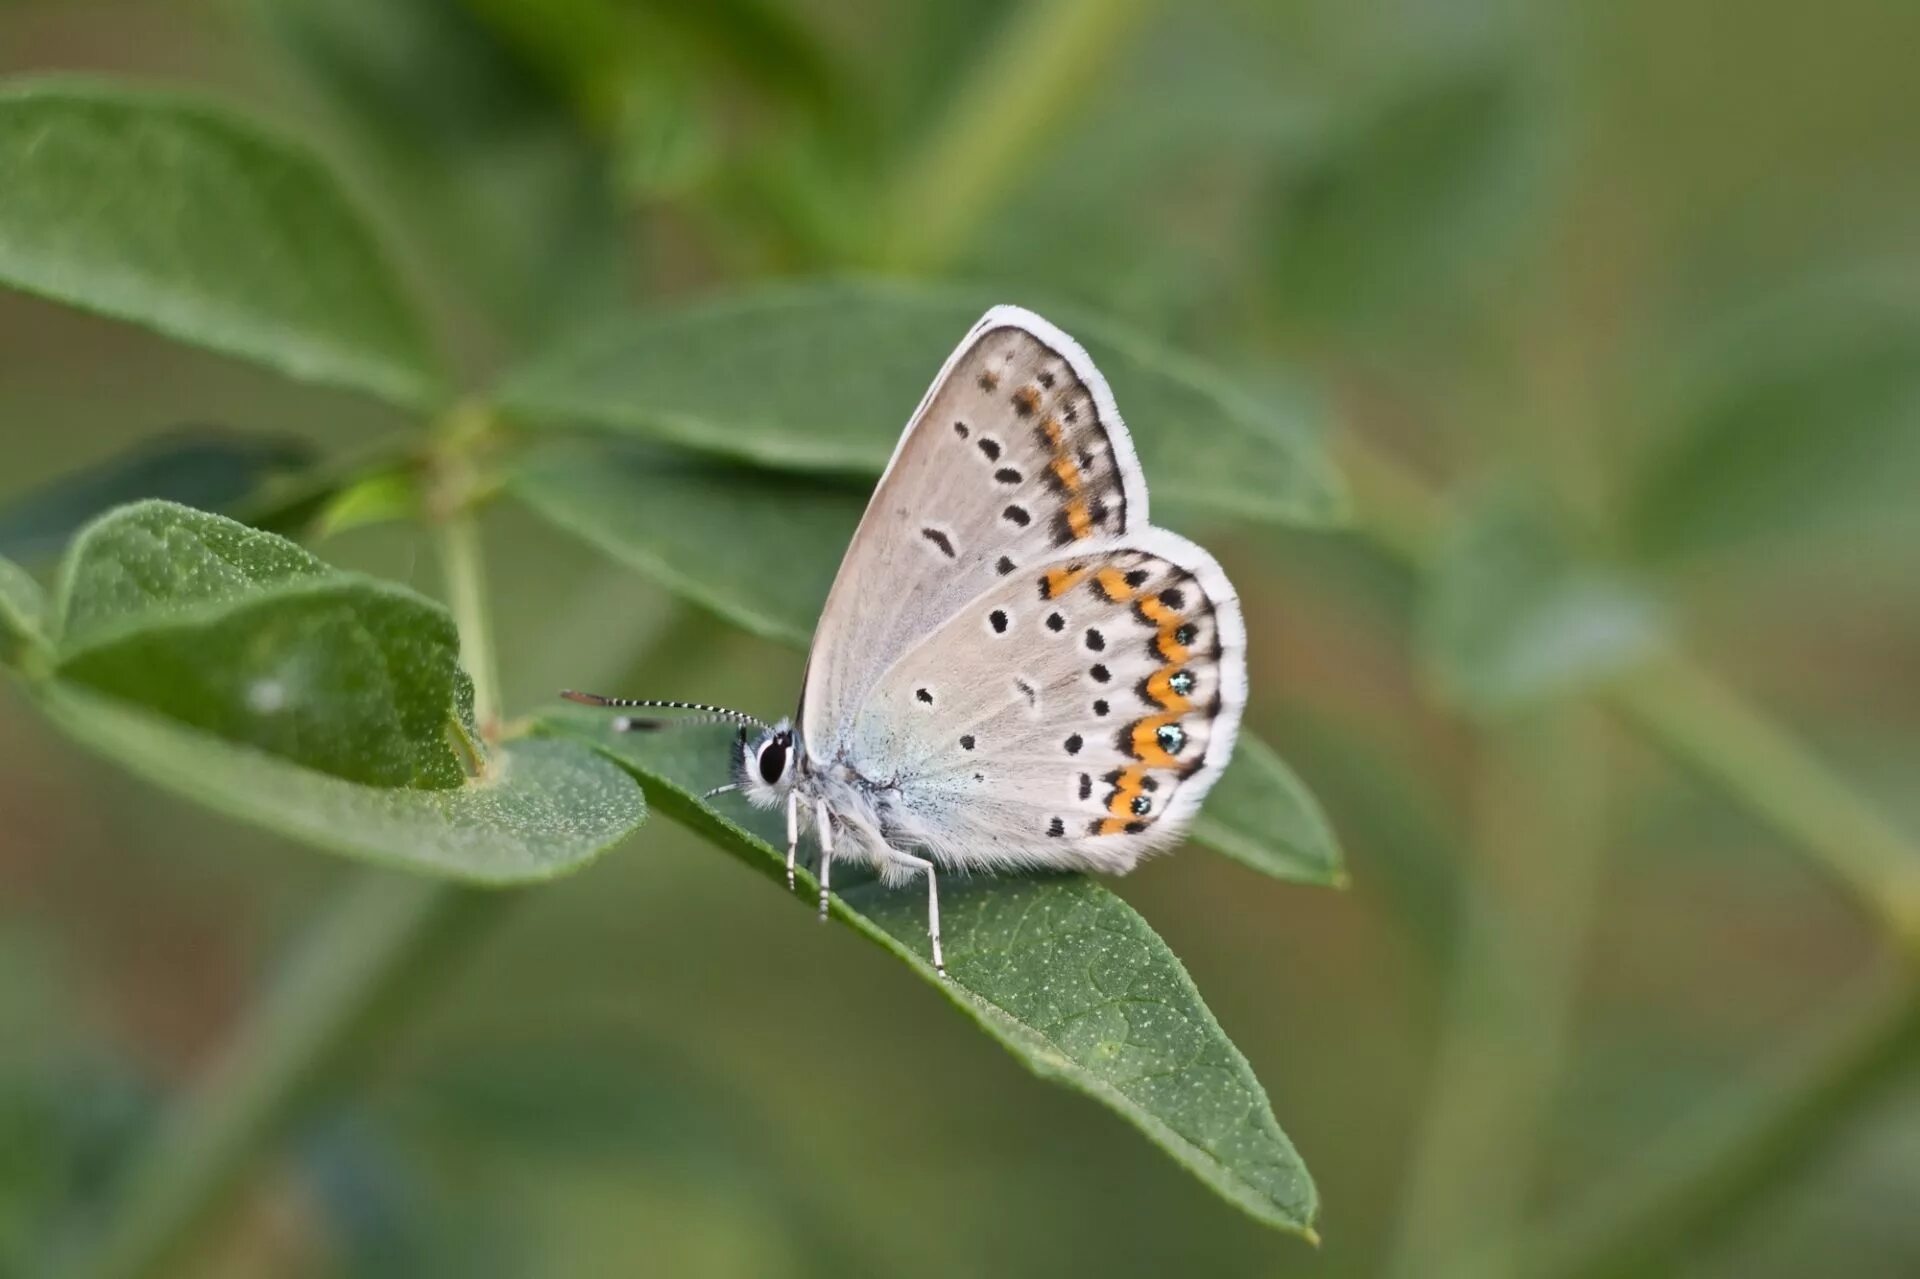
<point x="1014" y="669"/>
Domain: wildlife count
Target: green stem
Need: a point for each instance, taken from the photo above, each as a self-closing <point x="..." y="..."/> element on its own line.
<point x="374" y="949"/>
<point x="462" y="561"/>
<point x="1045" y="61"/>
<point x="1709" y="726"/>
<point x="1522" y="941"/>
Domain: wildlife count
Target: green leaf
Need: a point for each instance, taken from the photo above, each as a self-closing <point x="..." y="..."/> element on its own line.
<point x="22" y="612"/>
<point x="1515" y="612"/>
<point x="822" y="377"/>
<point x="1262" y="815"/>
<point x="1059" y="970"/>
<point x="200" y="467"/>
<point x="757" y="549"/>
<point x="245" y="635"/>
<point x="1406" y="201"/>
<point x="1798" y="422"/>
<point x="767" y="547"/>
<point x="188" y="220"/>
<point x="499" y="180"/>
<point x="544" y="809"/>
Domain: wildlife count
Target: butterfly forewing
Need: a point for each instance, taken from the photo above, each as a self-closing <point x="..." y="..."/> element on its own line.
<point x="1073" y="714"/>
<point x="1015" y="455"/>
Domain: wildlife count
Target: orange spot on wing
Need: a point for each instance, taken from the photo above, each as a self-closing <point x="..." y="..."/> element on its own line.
<point x="1146" y="742"/>
<point x="1079" y="523"/>
<point x="1160" y="689"/>
<point x="1113" y="583"/>
<point x="1061" y="580"/>
<point x="1129" y="785"/>
<point x="1112" y="826"/>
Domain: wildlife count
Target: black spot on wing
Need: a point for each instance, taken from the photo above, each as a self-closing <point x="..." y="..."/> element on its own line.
<point x="998" y="620"/>
<point x="1073" y="743"/>
<point x="966" y="741"/>
<point x="925" y="695"/>
<point x="1004" y="566"/>
<point x="1056" y="827"/>
<point x="1095" y="640"/>
<point x="1100" y="672"/>
<point x="1007" y="475"/>
<point x="940" y="540"/>
<point x="991" y="447"/>
<point x="1017" y="514"/>
<point x="960" y="429"/>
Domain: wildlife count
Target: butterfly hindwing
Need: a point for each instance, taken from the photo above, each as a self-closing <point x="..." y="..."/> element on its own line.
<point x="1072" y="715"/>
<point x="1015" y="454"/>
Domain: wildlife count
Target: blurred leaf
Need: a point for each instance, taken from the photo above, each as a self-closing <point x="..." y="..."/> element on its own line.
<point x="767" y="547"/>
<point x="1262" y="815"/>
<point x="199" y="467"/>
<point x="546" y="808"/>
<point x="1407" y="201"/>
<point x="1514" y="613"/>
<point x="381" y="498"/>
<point x="1802" y="420"/>
<point x="503" y="181"/>
<point x="22" y="612"/>
<point x="1058" y="970"/>
<point x="822" y="377"/>
<point x="250" y="638"/>
<point x="181" y="217"/>
<point x="756" y="548"/>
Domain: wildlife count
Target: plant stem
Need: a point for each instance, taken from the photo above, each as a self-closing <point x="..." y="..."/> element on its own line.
<point x="462" y="561"/>
<point x="1522" y="940"/>
<point x="1045" y="60"/>
<point x="1702" y="721"/>
<point x="376" y="946"/>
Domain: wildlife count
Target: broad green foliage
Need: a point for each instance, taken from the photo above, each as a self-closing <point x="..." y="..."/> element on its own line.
<point x="192" y="222"/>
<point x="768" y="546"/>
<point x="758" y="549"/>
<point x="543" y="809"/>
<point x="1803" y="421"/>
<point x="235" y="668"/>
<point x="1059" y="970"/>
<point x="498" y="179"/>
<point x="207" y="469"/>
<point x="22" y="611"/>
<point x="249" y="637"/>
<point x="1402" y="204"/>
<point x="837" y="369"/>
<point x="1514" y="612"/>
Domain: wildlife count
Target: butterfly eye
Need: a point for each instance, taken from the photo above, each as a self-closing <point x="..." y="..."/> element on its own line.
<point x="773" y="758"/>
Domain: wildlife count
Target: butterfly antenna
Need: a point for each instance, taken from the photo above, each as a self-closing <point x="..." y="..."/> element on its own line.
<point x="633" y="723"/>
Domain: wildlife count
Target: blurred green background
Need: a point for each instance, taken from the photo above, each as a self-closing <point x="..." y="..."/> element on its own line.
<point x="1616" y="310"/>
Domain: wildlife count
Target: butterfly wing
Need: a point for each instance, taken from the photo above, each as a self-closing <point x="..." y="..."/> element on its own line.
<point x="1016" y="452"/>
<point x="1073" y="714"/>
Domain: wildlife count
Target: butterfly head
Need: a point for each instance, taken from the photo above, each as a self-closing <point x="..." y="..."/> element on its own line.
<point x="764" y="764"/>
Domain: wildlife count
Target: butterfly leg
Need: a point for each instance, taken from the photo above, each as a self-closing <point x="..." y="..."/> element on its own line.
<point x="793" y="833"/>
<point x="925" y="867"/>
<point x="823" y="831"/>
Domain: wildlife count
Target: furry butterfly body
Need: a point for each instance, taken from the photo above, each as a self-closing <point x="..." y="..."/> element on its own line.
<point x="1014" y="668"/>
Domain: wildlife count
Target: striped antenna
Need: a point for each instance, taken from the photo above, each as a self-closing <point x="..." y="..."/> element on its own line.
<point x="630" y="723"/>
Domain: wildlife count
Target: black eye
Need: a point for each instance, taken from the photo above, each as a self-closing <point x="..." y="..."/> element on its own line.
<point x="773" y="759"/>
